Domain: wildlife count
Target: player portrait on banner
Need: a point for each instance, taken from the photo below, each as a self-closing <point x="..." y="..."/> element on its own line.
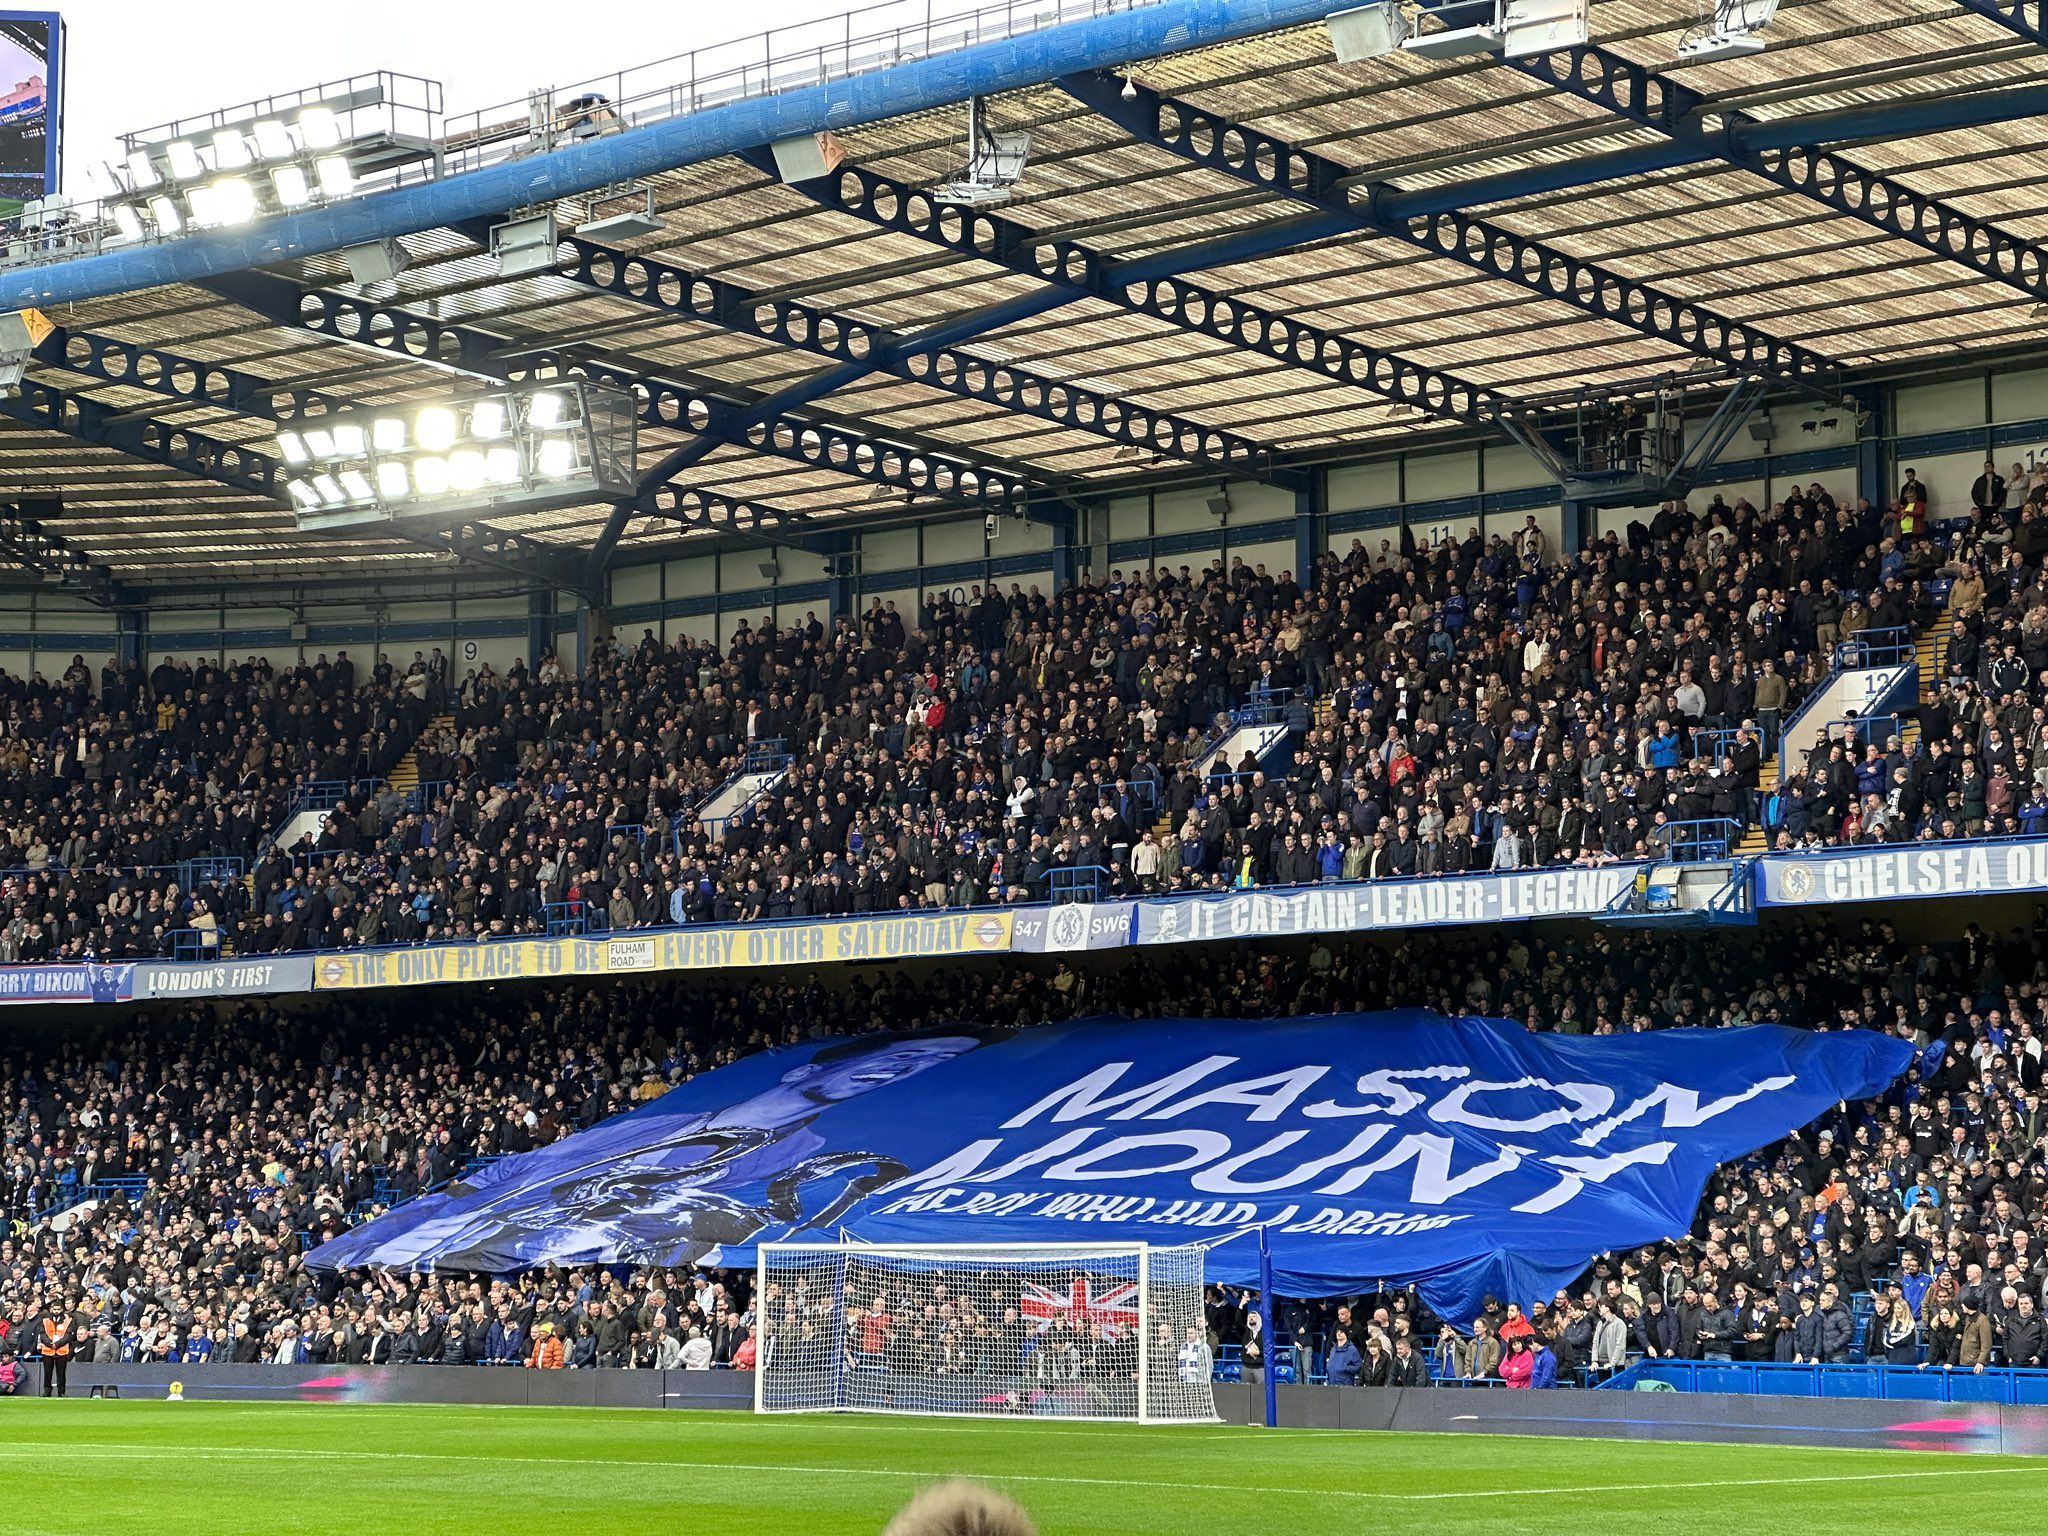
<point x="640" y="1194"/>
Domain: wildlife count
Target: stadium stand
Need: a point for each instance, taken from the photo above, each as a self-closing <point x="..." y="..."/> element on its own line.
<point x="164" y="1177"/>
<point x="1478" y="704"/>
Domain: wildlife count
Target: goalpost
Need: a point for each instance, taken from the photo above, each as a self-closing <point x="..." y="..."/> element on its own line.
<point x="1109" y="1331"/>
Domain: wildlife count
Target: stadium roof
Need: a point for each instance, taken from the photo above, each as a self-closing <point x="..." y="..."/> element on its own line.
<point x="1258" y="260"/>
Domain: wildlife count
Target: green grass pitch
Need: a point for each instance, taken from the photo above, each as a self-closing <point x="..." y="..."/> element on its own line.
<point x="150" y="1468"/>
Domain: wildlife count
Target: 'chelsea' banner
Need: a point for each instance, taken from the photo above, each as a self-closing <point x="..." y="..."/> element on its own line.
<point x="1465" y="1155"/>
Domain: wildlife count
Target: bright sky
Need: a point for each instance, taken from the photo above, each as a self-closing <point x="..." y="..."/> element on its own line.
<point x="136" y="63"/>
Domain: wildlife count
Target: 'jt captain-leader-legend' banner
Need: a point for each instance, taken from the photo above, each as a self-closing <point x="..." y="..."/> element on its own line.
<point x="1464" y="1155"/>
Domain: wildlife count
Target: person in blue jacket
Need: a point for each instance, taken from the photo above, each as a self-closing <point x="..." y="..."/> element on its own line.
<point x="1542" y="1366"/>
<point x="1344" y="1362"/>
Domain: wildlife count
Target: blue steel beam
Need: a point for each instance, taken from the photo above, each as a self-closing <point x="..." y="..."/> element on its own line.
<point x="673" y="290"/>
<point x="1152" y="286"/>
<point x="1274" y="165"/>
<point x="1118" y="35"/>
<point x="661" y="403"/>
<point x="1657" y="101"/>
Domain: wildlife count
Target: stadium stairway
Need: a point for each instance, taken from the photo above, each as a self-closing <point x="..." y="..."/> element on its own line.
<point x="405" y="773"/>
<point x="1927" y="654"/>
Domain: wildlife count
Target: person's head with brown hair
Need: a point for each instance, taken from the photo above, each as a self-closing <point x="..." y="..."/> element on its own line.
<point x="961" y="1508"/>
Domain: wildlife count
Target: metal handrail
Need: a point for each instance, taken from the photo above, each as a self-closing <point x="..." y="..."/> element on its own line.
<point x="1698" y="842"/>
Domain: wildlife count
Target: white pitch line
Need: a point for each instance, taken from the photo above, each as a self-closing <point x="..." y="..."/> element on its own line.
<point x="118" y="1451"/>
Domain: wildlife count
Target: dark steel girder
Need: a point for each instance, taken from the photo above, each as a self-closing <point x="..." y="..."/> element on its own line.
<point x="661" y="403"/>
<point x="662" y="286"/>
<point x="1148" y="286"/>
<point x="1259" y="159"/>
<point x="179" y="378"/>
<point x="1640" y="95"/>
<point x="2024" y="18"/>
<point x="153" y="442"/>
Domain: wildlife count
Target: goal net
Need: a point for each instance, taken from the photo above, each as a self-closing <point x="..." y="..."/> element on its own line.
<point x="1041" y="1330"/>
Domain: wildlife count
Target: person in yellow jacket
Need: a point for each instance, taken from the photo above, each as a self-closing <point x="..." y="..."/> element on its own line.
<point x="547" y="1349"/>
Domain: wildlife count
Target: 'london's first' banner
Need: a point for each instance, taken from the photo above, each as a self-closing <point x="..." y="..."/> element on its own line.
<point x="1467" y="1156"/>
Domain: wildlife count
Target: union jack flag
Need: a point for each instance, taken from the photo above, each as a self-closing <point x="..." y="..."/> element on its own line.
<point x="1099" y="1308"/>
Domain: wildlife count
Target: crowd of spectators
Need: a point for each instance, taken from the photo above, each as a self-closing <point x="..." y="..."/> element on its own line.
<point x="1474" y="703"/>
<point x="259" y="1129"/>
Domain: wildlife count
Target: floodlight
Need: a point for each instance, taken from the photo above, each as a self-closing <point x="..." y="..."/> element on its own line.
<point x="435" y="428"/>
<point x="477" y="449"/>
<point x="142" y="171"/>
<point x="273" y="140"/>
<point x="231" y="150"/>
<point x="488" y="419"/>
<point x="320" y="128"/>
<point x="183" y="160"/>
<point x="303" y="493"/>
<point x="127" y="221"/>
<point x="336" y="179"/>
<point x="293" y="190"/>
<point x="164" y="214"/>
<point x="466" y="469"/>
<point x="232" y="200"/>
<point x="555" y="459"/>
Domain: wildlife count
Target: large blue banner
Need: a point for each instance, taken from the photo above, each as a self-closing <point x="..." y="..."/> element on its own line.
<point x="1464" y="1155"/>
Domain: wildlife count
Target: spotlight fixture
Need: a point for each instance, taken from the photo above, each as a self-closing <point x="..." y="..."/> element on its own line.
<point x="525" y="245"/>
<point x="1369" y="32"/>
<point x="527" y="448"/>
<point x="631" y="216"/>
<point x="1512" y="28"/>
<point x="377" y="261"/>
<point x="995" y="163"/>
<point x="1726" y="29"/>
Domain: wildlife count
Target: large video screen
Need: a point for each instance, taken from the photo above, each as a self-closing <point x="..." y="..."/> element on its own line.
<point x="31" y="77"/>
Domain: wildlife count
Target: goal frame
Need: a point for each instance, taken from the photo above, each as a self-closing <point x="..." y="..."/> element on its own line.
<point x="1141" y="1251"/>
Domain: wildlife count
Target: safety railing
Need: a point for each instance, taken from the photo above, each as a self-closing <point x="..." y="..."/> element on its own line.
<point x="1874" y="648"/>
<point x="1696" y="842"/>
<point x="1080" y="882"/>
